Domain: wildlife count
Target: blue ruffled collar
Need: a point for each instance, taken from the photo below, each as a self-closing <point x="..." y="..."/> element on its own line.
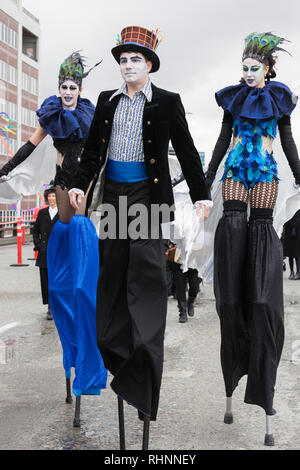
<point x="272" y="101"/>
<point x="60" y="123"/>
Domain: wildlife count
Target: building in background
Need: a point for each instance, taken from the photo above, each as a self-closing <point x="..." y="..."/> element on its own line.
<point x="202" y="158"/>
<point x="19" y="79"/>
<point x="201" y="155"/>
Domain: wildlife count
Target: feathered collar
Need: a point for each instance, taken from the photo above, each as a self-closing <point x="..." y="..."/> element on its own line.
<point x="274" y="100"/>
<point x="60" y="123"/>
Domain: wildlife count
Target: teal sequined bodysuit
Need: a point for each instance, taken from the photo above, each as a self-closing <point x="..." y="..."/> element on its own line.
<point x="251" y="159"/>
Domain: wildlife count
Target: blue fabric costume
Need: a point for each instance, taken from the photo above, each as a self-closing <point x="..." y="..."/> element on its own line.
<point x="73" y="256"/>
<point x="256" y="112"/>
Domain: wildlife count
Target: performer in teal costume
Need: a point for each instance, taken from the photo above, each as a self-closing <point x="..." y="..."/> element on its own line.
<point x="73" y="255"/>
<point x="248" y="282"/>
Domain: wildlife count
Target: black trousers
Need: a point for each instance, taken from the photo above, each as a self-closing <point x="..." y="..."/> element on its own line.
<point x="182" y="280"/>
<point x="44" y="285"/>
<point x="132" y="305"/>
<point x="248" y="284"/>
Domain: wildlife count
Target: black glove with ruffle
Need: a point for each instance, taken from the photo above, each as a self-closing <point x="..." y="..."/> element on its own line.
<point x="19" y="157"/>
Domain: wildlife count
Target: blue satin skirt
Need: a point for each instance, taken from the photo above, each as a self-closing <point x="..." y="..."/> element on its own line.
<point x="73" y="268"/>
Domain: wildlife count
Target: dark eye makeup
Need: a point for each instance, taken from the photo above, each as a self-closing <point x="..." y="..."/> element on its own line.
<point x="72" y="87"/>
<point x="255" y="68"/>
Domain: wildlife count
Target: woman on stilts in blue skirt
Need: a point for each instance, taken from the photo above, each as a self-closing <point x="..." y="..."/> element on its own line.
<point x="73" y="259"/>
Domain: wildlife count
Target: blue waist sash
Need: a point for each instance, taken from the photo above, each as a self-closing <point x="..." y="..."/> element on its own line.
<point x="126" y="172"/>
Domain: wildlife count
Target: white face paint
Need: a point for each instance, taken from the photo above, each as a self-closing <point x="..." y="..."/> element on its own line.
<point x="69" y="93"/>
<point x="254" y="73"/>
<point x="134" y="68"/>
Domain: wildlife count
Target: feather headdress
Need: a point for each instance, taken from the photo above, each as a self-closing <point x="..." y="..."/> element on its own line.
<point x="73" y="69"/>
<point x="261" y="45"/>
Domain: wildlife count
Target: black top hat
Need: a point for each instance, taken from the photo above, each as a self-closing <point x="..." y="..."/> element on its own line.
<point x="50" y="189"/>
<point x="139" y="39"/>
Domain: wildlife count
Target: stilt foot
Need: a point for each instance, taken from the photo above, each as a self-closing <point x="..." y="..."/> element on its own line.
<point x="146" y="432"/>
<point x="121" y="424"/>
<point x="269" y="440"/>
<point x="76" y="422"/>
<point x="228" y="418"/>
<point x="69" y="398"/>
<point x="49" y="315"/>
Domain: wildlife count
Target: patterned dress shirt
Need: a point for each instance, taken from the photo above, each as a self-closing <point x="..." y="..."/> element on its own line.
<point x="126" y="140"/>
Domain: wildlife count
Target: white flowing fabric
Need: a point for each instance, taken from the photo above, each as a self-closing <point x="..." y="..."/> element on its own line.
<point x="29" y="177"/>
<point x="288" y="200"/>
<point x="196" y="239"/>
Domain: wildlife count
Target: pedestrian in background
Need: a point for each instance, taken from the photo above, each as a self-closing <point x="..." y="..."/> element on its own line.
<point x="184" y="281"/>
<point x="42" y="229"/>
<point x="291" y="244"/>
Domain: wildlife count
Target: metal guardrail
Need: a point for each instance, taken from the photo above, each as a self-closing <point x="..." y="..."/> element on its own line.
<point x="8" y="225"/>
<point x="12" y="229"/>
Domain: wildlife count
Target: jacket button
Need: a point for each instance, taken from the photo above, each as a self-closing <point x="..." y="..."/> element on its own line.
<point x="149" y="141"/>
<point x="152" y="161"/>
<point x="103" y="140"/>
<point x="156" y="180"/>
<point x="106" y="121"/>
<point x="149" y="123"/>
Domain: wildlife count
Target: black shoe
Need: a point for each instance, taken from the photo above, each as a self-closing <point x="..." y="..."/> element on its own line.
<point x="291" y="276"/>
<point x="284" y="266"/>
<point x="182" y="306"/>
<point x="297" y="275"/>
<point x="190" y="306"/>
<point x="183" y="318"/>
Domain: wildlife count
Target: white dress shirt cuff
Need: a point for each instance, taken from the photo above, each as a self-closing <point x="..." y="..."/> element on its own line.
<point x="206" y="203"/>
<point x="77" y="191"/>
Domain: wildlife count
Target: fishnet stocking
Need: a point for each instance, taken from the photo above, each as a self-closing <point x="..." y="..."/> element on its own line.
<point x="262" y="196"/>
<point x="234" y="190"/>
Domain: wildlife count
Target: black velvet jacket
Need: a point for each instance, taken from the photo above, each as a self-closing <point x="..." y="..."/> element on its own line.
<point x="41" y="232"/>
<point x="163" y="120"/>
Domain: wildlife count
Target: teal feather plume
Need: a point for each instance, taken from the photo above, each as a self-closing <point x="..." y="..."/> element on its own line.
<point x="261" y="45"/>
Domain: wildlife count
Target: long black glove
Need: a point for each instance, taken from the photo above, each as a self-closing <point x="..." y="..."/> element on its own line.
<point x="19" y="157"/>
<point x="221" y="148"/>
<point x="289" y="146"/>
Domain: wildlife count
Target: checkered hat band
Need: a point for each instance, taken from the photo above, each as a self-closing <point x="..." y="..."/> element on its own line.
<point x="136" y="44"/>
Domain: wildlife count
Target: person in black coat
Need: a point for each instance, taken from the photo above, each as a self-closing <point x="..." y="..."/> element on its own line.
<point x="291" y="244"/>
<point x="182" y="280"/>
<point x="42" y="229"/>
<point x="126" y="157"/>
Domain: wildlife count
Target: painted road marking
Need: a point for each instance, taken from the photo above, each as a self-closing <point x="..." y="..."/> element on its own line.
<point x="9" y="326"/>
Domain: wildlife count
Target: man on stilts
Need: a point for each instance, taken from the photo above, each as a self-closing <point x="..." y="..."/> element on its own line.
<point x="126" y="155"/>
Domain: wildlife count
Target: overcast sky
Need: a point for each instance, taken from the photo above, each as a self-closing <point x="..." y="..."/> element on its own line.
<point x="200" y="53"/>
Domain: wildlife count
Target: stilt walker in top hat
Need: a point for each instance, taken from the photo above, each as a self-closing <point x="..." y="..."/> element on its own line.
<point x="126" y="154"/>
